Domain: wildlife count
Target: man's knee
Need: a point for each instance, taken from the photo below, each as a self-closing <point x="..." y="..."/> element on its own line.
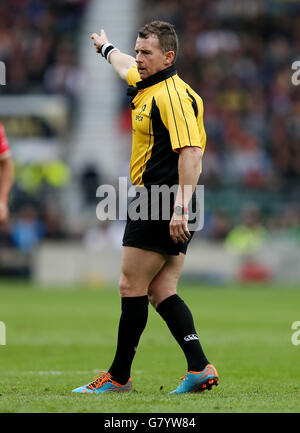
<point x="151" y="299"/>
<point x="128" y="287"/>
<point x="158" y="294"/>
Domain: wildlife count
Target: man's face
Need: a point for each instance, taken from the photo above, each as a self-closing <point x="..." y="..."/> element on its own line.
<point x="150" y="58"/>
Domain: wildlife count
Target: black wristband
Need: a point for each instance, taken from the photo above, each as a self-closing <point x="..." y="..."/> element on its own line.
<point x="107" y="49"/>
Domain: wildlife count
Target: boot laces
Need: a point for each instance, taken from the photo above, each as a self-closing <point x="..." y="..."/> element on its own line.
<point x="99" y="380"/>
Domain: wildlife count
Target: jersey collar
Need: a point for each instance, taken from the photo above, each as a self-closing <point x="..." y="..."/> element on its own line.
<point x="156" y="78"/>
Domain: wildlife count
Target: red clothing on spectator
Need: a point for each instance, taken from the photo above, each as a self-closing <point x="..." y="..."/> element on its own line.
<point x="4" y="146"/>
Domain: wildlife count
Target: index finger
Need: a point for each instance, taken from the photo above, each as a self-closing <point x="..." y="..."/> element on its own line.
<point x="187" y="233"/>
<point x="186" y="230"/>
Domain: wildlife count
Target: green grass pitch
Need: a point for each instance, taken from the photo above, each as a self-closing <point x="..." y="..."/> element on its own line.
<point x="57" y="338"/>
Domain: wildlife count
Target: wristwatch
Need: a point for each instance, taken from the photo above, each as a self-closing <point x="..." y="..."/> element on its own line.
<point x="180" y="210"/>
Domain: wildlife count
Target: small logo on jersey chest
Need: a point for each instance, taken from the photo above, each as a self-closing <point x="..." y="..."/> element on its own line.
<point x="139" y="116"/>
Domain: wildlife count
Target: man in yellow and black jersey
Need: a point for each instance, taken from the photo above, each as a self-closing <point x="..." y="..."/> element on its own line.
<point x="167" y="148"/>
<point x="167" y="115"/>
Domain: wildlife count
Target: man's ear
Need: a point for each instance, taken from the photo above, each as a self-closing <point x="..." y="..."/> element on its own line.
<point x="169" y="58"/>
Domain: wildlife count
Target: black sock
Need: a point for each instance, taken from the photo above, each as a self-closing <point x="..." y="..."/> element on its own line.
<point x="181" y="324"/>
<point x="132" y="323"/>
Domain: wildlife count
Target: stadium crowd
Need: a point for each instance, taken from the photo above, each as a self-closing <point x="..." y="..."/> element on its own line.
<point x="236" y="55"/>
<point x="38" y="40"/>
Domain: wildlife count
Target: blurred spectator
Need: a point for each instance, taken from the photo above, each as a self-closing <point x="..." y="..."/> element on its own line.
<point x="54" y="229"/>
<point x="248" y="236"/>
<point x="220" y="225"/>
<point x="90" y="179"/>
<point x="27" y="229"/>
<point x="5" y="235"/>
<point x="246" y="161"/>
<point x="64" y="76"/>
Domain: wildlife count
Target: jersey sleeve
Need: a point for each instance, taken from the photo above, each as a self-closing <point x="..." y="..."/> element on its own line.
<point x="4" y="146"/>
<point x="133" y="76"/>
<point x="183" y="121"/>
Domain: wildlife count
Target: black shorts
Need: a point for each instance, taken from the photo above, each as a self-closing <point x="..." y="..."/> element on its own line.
<point x="153" y="235"/>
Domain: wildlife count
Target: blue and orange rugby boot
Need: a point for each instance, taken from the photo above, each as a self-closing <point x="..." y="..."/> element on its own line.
<point x="198" y="381"/>
<point x="103" y="383"/>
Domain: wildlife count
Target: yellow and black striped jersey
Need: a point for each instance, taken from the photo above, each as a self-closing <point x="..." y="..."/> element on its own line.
<point x="167" y="115"/>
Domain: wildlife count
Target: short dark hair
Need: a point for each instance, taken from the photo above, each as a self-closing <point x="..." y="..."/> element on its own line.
<point x="165" y="33"/>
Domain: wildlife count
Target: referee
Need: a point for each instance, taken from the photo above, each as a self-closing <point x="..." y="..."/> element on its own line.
<point x="167" y="147"/>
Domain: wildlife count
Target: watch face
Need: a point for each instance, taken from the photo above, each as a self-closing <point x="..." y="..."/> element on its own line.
<point x="178" y="210"/>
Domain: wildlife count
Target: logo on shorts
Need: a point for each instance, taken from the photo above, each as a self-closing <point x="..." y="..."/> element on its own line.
<point x="191" y="337"/>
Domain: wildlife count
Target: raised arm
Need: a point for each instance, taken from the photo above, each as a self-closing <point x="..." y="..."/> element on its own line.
<point x="121" y="62"/>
